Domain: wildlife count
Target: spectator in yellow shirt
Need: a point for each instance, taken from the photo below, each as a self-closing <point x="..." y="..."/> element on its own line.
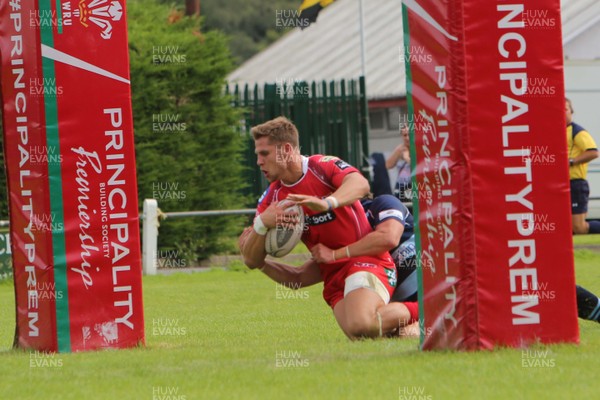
<point x="582" y="150"/>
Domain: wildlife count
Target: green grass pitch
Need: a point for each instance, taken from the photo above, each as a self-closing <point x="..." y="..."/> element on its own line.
<point x="237" y="335"/>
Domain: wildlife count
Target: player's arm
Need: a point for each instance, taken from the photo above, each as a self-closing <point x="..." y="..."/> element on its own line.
<point x="385" y="237"/>
<point x="354" y="187"/>
<point x="293" y="277"/>
<point x="392" y="160"/>
<point x="252" y="240"/>
<point x="252" y="247"/>
<point x="585" y="157"/>
<point x="585" y="141"/>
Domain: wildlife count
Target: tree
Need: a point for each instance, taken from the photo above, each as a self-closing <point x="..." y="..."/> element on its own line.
<point x="251" y="25"/>
<point x="188" y="147"/>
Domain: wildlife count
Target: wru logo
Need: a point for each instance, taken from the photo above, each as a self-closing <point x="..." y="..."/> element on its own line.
<point x="101" y="13"/>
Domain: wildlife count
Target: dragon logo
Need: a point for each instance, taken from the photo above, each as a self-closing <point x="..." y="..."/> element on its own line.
<point x="102" y="13"/>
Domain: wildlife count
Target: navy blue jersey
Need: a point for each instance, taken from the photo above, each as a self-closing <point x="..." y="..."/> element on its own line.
<point x="387" y="206"/>
<point x="381" y="209"/>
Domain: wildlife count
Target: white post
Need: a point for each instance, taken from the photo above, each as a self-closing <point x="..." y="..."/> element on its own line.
<point x="149" y="236"/>
<point x="363" y="58"/>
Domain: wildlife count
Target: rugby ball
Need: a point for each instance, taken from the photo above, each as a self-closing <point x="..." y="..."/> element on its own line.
<point x="282" y="239"/>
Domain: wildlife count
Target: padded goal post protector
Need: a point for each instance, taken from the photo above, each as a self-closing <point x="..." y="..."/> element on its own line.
<point x="487" y="118"/>
<point x="69" y="154"/>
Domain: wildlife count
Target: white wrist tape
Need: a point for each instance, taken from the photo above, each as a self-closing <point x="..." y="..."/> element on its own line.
<point x="335" y="203"/>
<point x="259" y="227"/>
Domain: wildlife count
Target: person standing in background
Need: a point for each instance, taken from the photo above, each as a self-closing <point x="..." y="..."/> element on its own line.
<point x="400" y="158"/>
<point x="582" y="150"/>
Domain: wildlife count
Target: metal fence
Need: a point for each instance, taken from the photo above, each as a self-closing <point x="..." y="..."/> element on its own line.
<point x="332" y="118"/>
<point x="151" y="217"/>
<point x="5" y="251"/>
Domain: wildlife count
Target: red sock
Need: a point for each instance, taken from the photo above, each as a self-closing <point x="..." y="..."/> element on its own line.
<point x="413" y="309"/>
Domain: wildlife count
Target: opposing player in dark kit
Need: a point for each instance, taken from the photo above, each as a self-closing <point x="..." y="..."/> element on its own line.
<point x="392" y="226"/>
<point x="393" y="229"/>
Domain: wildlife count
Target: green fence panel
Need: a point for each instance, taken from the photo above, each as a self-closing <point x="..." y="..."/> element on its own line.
<point x="5" y="254"/>
<point x="332" y="119"/>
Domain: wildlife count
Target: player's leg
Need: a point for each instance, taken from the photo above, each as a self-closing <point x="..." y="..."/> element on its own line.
<point x="580" y="194"/>
<point x="589" y="226"/>
<point x="588" y="305"/>
<point x="397" y="317"/>
<point x="364" y="310"/>
<point x="356" y="313"/>
<point x="412" y="330"/>
<point x="406" y="286"/>
<point x="580" y="226"/>
<point x="594" y="227"/>
<point x="363" y="314"/>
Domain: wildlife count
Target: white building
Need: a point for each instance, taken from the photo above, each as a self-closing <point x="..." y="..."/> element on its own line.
<point x="330" y="50"/>
<point x="581" y="44"/>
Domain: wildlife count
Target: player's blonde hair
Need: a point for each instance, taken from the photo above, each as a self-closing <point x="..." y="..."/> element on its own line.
<point x="279" y="130"/>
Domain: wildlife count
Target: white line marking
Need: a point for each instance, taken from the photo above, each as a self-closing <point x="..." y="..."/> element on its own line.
<point x="417" y="9"/>
<point x="64" y="58"/>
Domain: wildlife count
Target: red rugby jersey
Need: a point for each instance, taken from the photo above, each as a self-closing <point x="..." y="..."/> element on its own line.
<point x="322" y="175"/>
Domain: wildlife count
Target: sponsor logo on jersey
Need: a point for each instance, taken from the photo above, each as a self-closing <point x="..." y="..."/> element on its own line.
<point x="405" y="251"/>
<point x="327" y="158"/>
<point x="365" y="264"/>
<point x="341" y="164"/>
<point x="391" y="275"/>
<point x="265" y="193"/>
<point x="391" y="214"/>
<point x="321" y="218"/>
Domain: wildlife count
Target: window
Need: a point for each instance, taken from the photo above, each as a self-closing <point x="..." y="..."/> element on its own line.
<point x="393" y="115"/>
<point x="377" y="119"/>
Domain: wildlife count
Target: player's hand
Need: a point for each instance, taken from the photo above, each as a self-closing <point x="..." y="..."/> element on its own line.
<point x="276" y="215"/>
<point x="312" y="202"/>
<point x="322" y="254"/>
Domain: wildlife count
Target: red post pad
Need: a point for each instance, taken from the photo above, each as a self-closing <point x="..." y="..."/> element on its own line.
<point x="68" y="137"/>
<point x="489" y="150"/>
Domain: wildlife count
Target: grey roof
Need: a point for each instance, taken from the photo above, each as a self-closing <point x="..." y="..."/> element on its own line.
<point x="330" y="48"/>
<point x="581" y="29"/>
<point x="577" y="17"/>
